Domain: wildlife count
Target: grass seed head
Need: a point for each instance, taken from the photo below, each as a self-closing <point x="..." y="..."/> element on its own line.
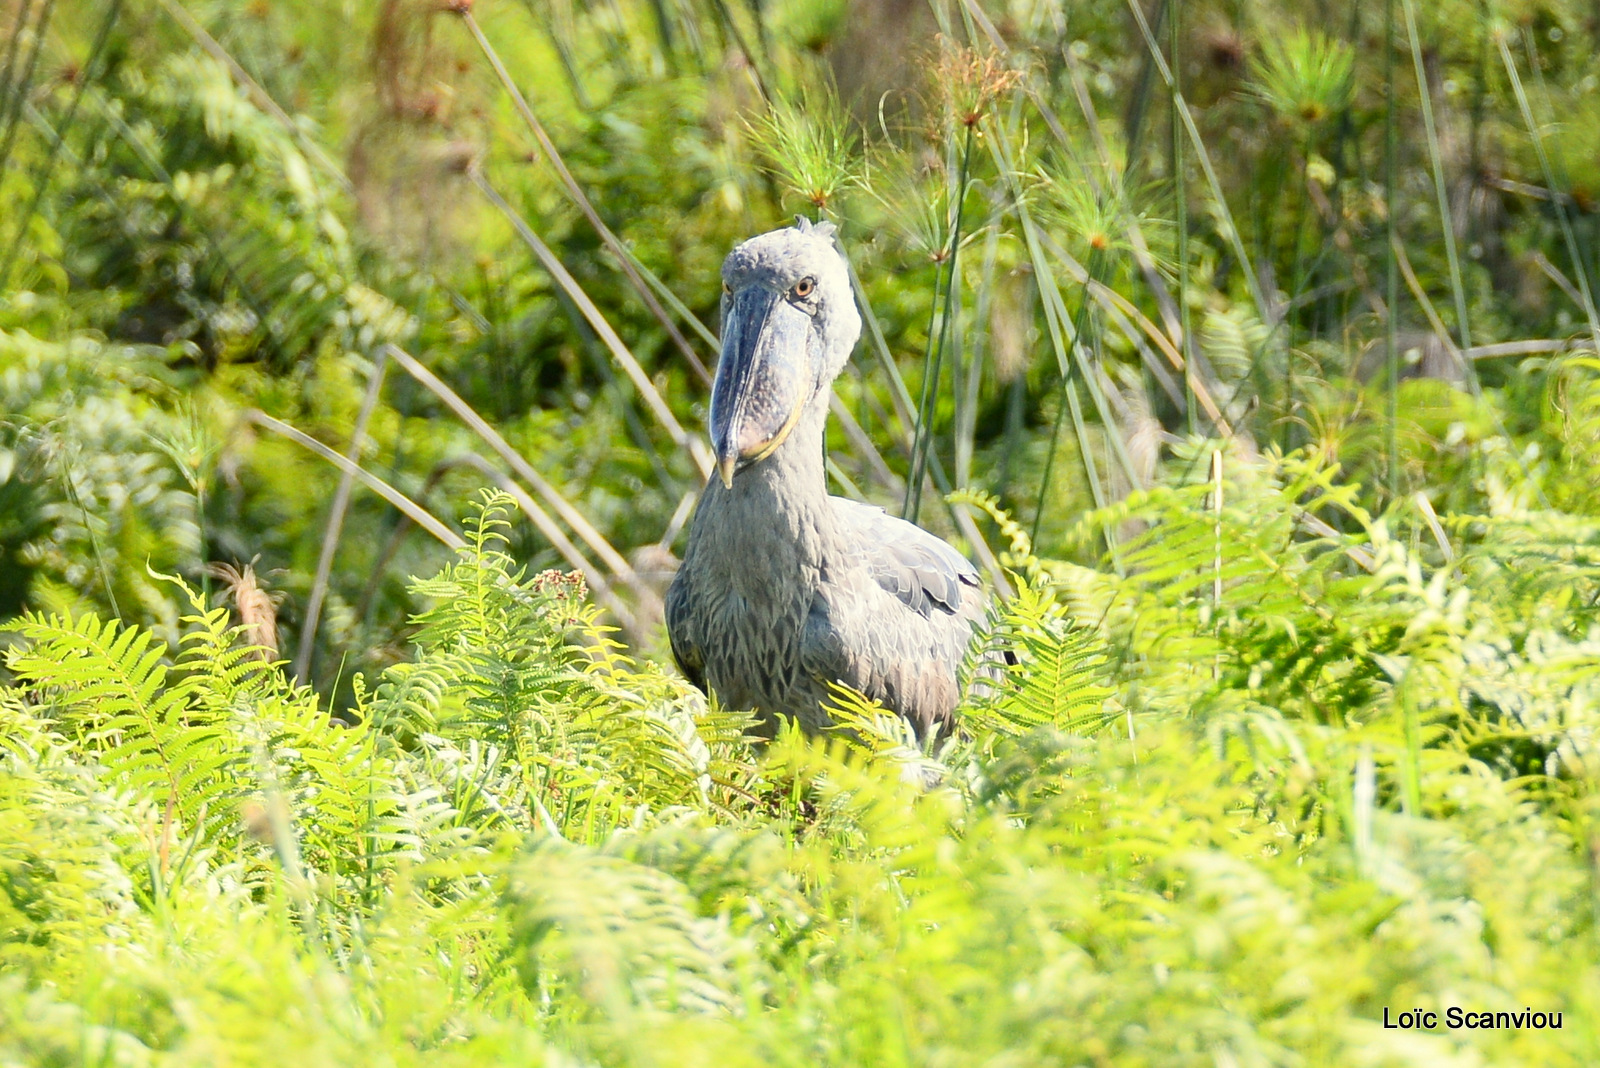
<point x="1305" y="77"/>
<point x="809" y="147"/>
<point x="971" y="81"/>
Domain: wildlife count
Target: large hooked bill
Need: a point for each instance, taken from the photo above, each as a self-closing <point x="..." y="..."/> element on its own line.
<point x="764" y="377"/>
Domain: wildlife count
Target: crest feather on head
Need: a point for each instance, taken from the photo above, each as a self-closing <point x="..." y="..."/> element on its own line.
<point x="822" y="228"/>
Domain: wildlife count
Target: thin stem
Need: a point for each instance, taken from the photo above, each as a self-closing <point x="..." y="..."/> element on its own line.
<point x="1016" y="400"/>
<point x="575" y="519"/>
<point x="1391" y="265"/>
<point x="914" y="476"/>
<point x="17" y="93"/>
<point x="1216" y="564"/>
<point x="12" y="43"/>
<point x="1063" y="338"/>
<point x="657" y="404"/>
<point x="899" y="395"/>
<point x="960" y="515"/>
<point x="1225" y="214"/>
<point x="1173" y="318"/>
<point x="1300" y="276"/>
<point x="330" y="536"/>
<point x="200" y="533"/>
<point x="1556" y="192"/>
<point x="555" y="28"/>
<point x="1446" y="224"/>
<point x="752" y="64"/>
<point x="41" y="180"/>
<point x="413" y="511"/>
<point x="1411" y="724"/>
<point x="94" y="539"/>
<point x="1180" y="204"/>
<point x="967" y="399"/>
<point x="1122" y="311"/>
<point x="1069" y="401"/>
<point x="258" y="96"/>
<point x="922" y="444"/>
<point x="625" y="258"/>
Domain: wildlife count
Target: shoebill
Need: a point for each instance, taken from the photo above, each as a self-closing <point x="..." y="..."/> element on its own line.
<point x="784" y="589"/>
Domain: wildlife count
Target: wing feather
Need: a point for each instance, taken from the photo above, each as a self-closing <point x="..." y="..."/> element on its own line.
<point x="918" y="568"/>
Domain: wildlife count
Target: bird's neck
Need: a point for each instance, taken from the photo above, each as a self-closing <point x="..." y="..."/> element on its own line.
<point x="777" y="509"/>
<point x="794" y="472"/>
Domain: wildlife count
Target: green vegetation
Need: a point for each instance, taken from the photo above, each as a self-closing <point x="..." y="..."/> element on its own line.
<point x="1253" y="350"/>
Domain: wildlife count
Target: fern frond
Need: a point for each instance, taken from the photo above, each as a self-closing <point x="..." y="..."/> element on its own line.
<point x="625" y="935"/>
<point x="108" y="682"/>
<point x="886" y="735"/>
<point x="1056" y="680"/>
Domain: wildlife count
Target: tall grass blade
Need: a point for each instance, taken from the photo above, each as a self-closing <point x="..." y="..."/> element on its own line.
<point x="16" y="93"/>
<point x="412" y="511"/>
<point x="480" y="426"/>
<point x="1225" y="214"/>
<point x="625" y="258"/>
<point x="71" y="488"/>
<point x="258" y="96"/>
<point x="42" y="175"/>
<point x="1066" y="343"/>
<point x="1173" y="314"/>
<point x="1420" y="295"/>
<point x="13" y="42"/>
<point x="1411" y="726"/>
<point x="1180" y="213"/>
<point x="968" y="399"/>
<point x="1122" y="311"/>
<point x="753" y="61"/>
<point x="1216" y="558"/>
<point x="1556" y="192"/>
<point x="1083" y="345"/>
<point x="938" y="338"/>
<point x="1391" y="150"/>
<point x="900" y="397"/>
<point x="630" y="365"/>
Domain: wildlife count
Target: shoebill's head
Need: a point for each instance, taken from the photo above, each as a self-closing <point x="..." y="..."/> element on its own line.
<point x="789" y="321"/>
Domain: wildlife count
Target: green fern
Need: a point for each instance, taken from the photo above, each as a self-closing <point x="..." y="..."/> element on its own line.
<point x="625" y="936"/>
<point x="1057" y="679"/>
<point x="108" y="683"/>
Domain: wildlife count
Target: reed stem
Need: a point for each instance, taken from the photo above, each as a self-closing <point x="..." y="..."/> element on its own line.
<point x="1180" y="208"/>
<point x="1391" y="263"/>
<point x="922" y="442"/>
<point x="1441" y="193"/>
<point x="625" y="258"/>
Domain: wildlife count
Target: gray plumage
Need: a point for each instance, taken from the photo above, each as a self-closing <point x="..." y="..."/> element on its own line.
<point x="784" y="589"/>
